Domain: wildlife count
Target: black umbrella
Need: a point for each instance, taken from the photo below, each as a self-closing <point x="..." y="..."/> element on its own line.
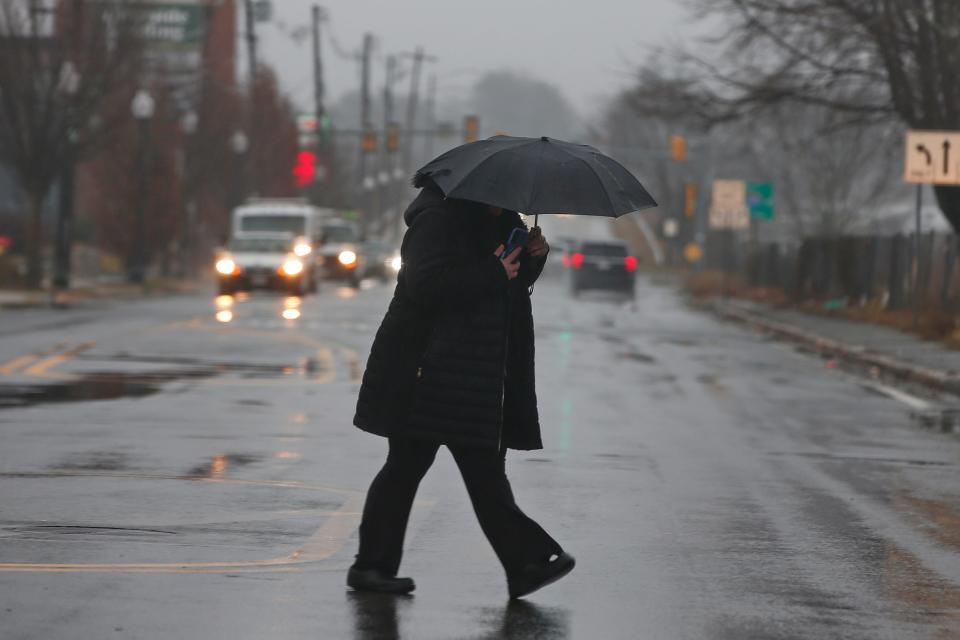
<point x="538" y="175"/>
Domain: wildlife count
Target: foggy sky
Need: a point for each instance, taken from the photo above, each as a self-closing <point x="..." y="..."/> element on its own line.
<point x="585" y="48"/>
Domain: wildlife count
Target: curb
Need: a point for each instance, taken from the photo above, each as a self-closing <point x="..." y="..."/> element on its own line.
<point x="67" y="298"/>
<point x="936" y="379"/>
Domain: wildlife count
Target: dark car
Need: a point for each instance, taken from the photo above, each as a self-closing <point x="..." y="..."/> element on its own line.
<point x="382" y="260"/>
<point x="340" y="254"/>
<point x="604" y="265"/>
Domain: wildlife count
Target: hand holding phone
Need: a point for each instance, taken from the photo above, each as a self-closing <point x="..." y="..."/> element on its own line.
<point x="518" y="238"/>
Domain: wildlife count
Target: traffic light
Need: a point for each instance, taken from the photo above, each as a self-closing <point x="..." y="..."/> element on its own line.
<point x="690" y="200"/>
<point x="305" y="170"/>
<point x="471" y="128"/>
<point x="678" y="148"/>
<point x="369" y="143"/>
<point x="393" y="137"/>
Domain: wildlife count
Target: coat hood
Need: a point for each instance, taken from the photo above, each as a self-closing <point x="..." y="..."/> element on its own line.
<point x="427" y="199"/>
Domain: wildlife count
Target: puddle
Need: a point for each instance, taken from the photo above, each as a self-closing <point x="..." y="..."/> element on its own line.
<point x="96" y="461"/>
<point x="850" y="458"/>
<point x="943" y="420"/>
<point x="86" y="530"/>
<point x="94" y="386"/>
<point x="637" y="357"/>
<point x="206" y="367"/>
<point x="253" y="403"/>
<point x="217" y="466"/>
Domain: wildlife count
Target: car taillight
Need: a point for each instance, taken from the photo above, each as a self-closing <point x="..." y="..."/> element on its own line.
<point x="630" y="263"/>
<point x="577" y="260"/>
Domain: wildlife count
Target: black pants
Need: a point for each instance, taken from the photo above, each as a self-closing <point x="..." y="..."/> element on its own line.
<point x="516" y="539"/>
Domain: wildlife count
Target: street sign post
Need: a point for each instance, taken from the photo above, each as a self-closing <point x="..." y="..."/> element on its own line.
<point x="930" y="157"/>
<point x="728" y="208"/>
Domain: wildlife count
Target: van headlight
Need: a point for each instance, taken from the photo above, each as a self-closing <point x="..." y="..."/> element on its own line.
<point x="395" y="263"/>
<point x="292" y="268"/>
<point x="226" y="266"/>
<point x="302" y="249"/>
<point x="347" y="258"/>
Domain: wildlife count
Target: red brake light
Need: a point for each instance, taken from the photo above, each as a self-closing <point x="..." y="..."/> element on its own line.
<point x="577" y="260"/>
<point x="630" y="263"/>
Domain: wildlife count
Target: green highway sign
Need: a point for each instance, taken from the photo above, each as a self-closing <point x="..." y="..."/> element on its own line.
<point x="760" y="200"/>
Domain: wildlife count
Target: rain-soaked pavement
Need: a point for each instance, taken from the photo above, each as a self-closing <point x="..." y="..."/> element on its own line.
<point x="185" y="467"/>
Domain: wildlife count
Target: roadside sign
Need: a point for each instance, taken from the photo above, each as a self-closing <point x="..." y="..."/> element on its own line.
<point x="728" y="207"/>
<point x="932" y="157"/>
<point x="670" y="228"/>
<point x="760" y="200"/>
<point x="692" y="252"/>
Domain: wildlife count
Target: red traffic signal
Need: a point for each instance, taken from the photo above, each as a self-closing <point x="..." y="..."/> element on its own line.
<point x="305" y="171"/>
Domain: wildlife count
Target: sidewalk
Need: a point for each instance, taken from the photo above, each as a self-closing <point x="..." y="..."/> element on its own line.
<point x="878" y="348"/>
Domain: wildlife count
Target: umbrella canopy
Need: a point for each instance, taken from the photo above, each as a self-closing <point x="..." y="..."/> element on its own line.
<point x="538" y="175"/>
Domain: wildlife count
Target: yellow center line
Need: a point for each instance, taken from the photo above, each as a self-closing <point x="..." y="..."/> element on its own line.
<point x="10" y="367"/>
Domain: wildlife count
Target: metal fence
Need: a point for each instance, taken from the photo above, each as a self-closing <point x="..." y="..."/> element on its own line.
<point x="859" y="268"/>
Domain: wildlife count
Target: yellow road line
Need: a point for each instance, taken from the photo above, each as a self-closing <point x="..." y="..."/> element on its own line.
<point x="10" y="367"/>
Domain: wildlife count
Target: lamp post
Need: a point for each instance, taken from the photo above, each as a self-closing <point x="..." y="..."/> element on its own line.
<point x="142" y="108"/>
<point x="69" y="86"/>
<point x="239" y="143"/>
<point x="188" y="124"/>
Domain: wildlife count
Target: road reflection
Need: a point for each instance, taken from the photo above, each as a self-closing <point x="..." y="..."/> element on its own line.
<point x="524" y="620"/>
<point x="375" y="616"/>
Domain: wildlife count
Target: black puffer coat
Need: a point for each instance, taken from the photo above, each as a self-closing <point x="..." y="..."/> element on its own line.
<point x="453" y="360"/>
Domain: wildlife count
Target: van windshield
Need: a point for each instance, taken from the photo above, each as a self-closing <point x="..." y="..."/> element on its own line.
<point x="260" y="245"/>
<point x="295" y="224"/>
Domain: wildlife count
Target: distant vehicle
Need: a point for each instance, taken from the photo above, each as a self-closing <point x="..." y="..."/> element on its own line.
<point x="265" y="263"/>
<point x="383" y="261"/>
<point x="605" y="265"/>
<point x="340" y="254"/>
<point x="267" y="235"/>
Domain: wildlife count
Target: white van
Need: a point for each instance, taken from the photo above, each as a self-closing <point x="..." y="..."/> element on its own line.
<point x="272" y="245"/>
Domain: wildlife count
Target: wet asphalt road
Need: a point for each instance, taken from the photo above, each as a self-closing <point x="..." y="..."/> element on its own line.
<point x="183" y="468"/>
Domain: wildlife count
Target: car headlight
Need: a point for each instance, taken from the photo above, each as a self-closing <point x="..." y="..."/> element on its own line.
<point x="302" y="249"/>
<point x="347" y="258"/>
<point x="395" y="263"/>
<point x="226" y="266"/>
<point x="292" y="268"/>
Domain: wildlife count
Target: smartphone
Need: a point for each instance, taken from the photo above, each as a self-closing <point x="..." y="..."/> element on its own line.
<point x="518" y="238"/>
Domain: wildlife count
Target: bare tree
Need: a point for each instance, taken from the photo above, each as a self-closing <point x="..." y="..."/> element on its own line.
<point x="868" y="61"/>
<point x="61" y="68"/>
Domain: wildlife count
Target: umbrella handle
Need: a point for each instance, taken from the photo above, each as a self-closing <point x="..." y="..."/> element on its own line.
<point x="536" y="220"/>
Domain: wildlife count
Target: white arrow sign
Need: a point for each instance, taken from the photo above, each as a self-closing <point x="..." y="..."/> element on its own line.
<point x="932" y="157"/>
<point x="728" y="207"/>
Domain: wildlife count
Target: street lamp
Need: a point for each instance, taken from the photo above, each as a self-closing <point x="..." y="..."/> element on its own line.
<point x="69" y="86"/>
<point x="142" y="108"/>
<point x="188" y="124"/>
<point x="239" y="143"/>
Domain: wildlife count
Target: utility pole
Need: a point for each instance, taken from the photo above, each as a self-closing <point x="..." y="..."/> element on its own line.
<point x="419" y="57"/>
<point x="366" y="128"/>
<point x="320" y="112"/>
<point x="385" y="177"/>
<point x="431" y="111"/>
<point x="251" y="37"/>
<point x="63" y="246"/>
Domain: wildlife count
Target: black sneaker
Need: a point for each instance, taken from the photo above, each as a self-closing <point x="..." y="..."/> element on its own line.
<point x="374" y="580"/>
<point x="536" y="576"/>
